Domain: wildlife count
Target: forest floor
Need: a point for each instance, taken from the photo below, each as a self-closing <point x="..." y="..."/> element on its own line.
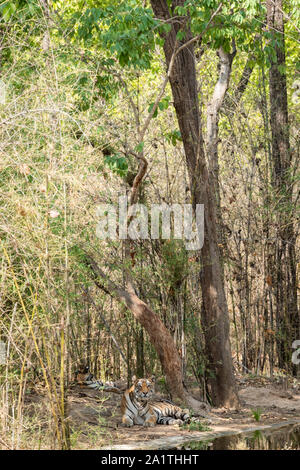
<point x="95" y="417"/>
<point x="278" y="401"/>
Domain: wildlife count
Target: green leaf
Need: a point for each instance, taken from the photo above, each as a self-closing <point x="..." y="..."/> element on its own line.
<point x="117" y="164"/>
<point x="150" y="109"/>
<point x="139" y="147"/>
<point x="180" y="35"/>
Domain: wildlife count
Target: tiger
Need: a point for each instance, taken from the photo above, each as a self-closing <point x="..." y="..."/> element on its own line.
<point x="138" y="407"/>
<point x="84" y="377"/>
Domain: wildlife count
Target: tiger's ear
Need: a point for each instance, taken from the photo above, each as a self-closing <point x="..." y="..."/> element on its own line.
<point x="133" y="380"/>
<point x="153" y="378"/>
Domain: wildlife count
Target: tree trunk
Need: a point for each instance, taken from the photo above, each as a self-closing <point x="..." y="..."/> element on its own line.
<point x="225" y="64"/>
<point x="212" y="127"/>
<point x="140" y="361"/>
<point x="215" y="314"/>
<point x="285" y="285"/>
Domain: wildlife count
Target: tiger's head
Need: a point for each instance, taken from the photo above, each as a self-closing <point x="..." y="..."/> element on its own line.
<point x="143" y="389"/>
<point x="83" y="374"/>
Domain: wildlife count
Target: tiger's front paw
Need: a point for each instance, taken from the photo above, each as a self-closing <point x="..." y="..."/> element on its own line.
<point x="127" y="422"/>
<point x="176" y="422"/>
<point x="148" y="424"/>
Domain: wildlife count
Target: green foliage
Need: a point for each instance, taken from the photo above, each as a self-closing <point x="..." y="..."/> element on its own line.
<point x="162" y="105"/>
<point x="197" y="445"/>
<point x="91" y="83"/>
<point x="196" y="426"/>
<point x="117" y="164"/>
<point x="161" y="384"/>
<point x="139" y="147"/>
<point x="257" y="435"/>
<point x="173" y="137"/>
<point x="21" y="9"/>
<point x="125" y="30"/>
<point x="174" y="262"/>
<point x="231" y="23"/>
<point x="7" y="9"/>
<point x="256" y="413"/>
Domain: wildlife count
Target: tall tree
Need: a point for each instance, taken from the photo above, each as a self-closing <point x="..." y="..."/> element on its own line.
<point x="284" y="267"/>
<point x="183" y="83"/>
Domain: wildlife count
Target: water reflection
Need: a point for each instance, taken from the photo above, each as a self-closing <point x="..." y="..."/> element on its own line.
<point x="287" y="438"/>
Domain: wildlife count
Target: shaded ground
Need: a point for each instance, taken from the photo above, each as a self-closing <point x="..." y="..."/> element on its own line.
<point x="95" y="416"/>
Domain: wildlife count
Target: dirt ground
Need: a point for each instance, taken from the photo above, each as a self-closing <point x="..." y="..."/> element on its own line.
<point x="95" y="416"/>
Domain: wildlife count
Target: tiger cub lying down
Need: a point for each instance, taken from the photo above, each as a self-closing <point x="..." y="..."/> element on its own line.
<point x="85" y="378"/>
<point x="138" y="408"/>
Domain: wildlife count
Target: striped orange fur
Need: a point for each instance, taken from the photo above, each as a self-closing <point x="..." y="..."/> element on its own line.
<point x="138" y="407"/>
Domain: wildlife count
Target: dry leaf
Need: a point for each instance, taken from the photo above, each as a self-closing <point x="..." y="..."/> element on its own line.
<point x="22" y="211"/>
